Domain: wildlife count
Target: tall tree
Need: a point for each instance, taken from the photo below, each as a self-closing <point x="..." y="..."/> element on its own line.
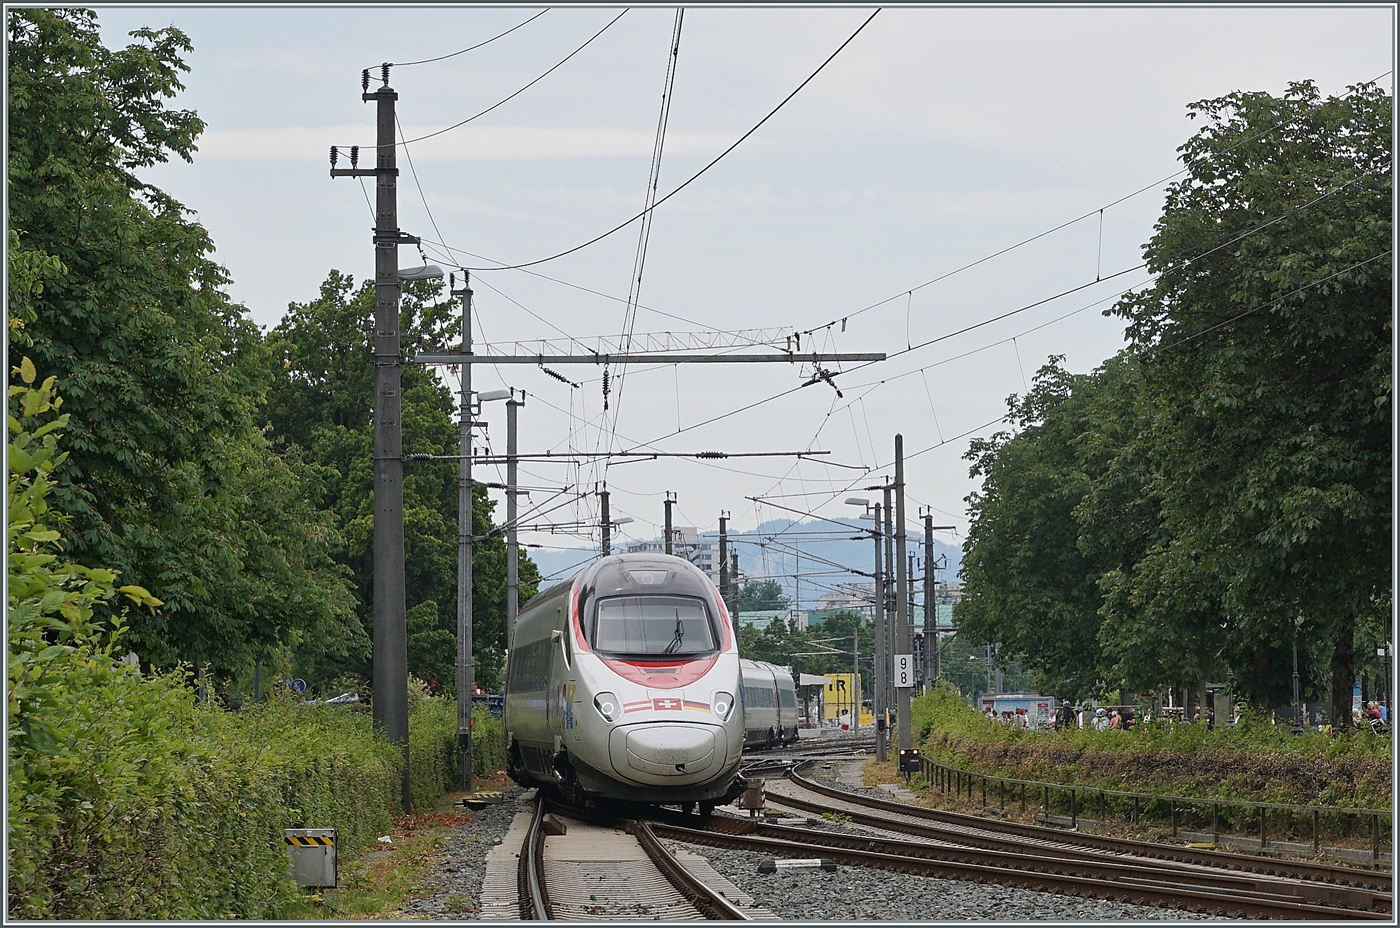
<point x="1030" y="587"/>
<point x="762" y="596"/>
<point x="168" y="480"/>
<point x="1265" y="345"/>
<point x="322" y="401"/>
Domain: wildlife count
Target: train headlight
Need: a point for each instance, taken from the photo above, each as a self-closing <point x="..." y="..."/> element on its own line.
<point x="608" y="706"/>
<point x="721" y="704"/>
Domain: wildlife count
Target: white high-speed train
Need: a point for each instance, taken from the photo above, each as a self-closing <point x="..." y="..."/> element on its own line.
<point x="622" y="683"/>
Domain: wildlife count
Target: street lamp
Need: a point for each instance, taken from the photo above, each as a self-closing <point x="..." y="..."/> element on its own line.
<point x="426" y="272"/>
<point x="466" y="665"/>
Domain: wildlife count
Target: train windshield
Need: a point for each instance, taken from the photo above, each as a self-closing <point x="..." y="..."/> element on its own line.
<point x="655" y="626"/>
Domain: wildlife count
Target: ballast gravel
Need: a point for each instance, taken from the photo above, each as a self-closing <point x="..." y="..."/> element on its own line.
<point x="861" y="894"/>
<point x="452" y="891"/>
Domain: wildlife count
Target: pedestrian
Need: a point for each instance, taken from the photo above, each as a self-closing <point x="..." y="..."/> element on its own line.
<point x="1115" y="721"/>
<point x="1100" y="719"/>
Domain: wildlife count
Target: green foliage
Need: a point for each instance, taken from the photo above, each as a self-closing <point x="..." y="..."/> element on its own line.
<point x="1253" y="760"/>
<point x="1270" y="448"/>
<point x="432" y="749"/>
<point x="321" y="401"/>
<point x="1181" y="513"/>
<point x="167" y="478"/>
<point x="821" y="649"/>
<point x="762" y="596"/>
<point x="488" y="743"/>
<point x="51" y="632"/>
<point x="128" y="798"/>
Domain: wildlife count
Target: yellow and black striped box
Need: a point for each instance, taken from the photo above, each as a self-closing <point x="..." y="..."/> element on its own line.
<point x="313" y="857"/>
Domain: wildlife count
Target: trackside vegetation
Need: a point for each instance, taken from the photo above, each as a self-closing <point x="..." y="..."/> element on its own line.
<point x="1218" y="496"/>
<point x="130" y="798"/>
<point x="1250" y="761"/>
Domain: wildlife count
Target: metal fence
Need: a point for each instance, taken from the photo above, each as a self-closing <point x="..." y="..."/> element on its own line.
<point x="1181" y="811"/>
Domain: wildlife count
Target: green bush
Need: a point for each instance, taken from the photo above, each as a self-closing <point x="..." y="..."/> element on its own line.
<point x="488" y="743"/>
<point x="127" y="799"/>
<point x="1253" y="760"/>
<point x="432" y="749"/>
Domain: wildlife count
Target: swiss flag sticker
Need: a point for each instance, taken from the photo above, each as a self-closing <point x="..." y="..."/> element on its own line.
<point x="666" y="704"/>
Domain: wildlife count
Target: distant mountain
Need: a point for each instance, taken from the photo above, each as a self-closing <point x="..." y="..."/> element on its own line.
<point x="824" y="550"/>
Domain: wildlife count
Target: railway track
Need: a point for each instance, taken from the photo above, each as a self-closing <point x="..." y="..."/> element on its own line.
<point x="574" y="865"/>
<point x="574" y="868"/>
<point x="973" y="849"/>
<point x="999" y="832"/>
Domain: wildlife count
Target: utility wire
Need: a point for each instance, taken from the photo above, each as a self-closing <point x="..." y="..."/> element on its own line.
<point x="694" y="177"/>
<point x="1186" y="263"/>
<point x="634" y="284"/>
<point x="516" y="94"/>
<point x="1064" y="225"/>
<point x="470" y="48"/>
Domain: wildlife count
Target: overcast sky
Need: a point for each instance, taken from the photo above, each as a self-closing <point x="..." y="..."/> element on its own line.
<point x="936" y="138"/>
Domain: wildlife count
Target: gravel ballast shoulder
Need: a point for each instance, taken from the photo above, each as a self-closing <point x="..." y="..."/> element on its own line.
<point x="453" y="889"/>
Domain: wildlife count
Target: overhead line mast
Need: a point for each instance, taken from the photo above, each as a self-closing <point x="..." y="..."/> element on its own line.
<point x="390" y="673"/>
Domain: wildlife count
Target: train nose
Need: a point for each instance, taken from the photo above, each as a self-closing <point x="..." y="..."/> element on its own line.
<point x="668" y="751"/>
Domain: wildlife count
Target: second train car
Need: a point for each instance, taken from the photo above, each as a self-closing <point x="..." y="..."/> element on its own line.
<point x="770" y="704"/>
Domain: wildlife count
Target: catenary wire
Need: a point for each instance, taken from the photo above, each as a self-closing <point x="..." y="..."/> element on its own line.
<point x="1063" y="225"/>
<point x="696" y="176"/>
<point x="470" y="48"/>
<point x="1022" y="309"/>
<point x="517" y="93"/>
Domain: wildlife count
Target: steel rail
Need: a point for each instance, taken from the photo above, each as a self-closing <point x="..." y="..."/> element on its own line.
<point x="534" y="897"/>
<point x="1332" y="894"/>
<point x="1298" y="869"/>
<point x="1068" y="861"/>
<point x="707" y="900"/>
<point x="1219" y="902"/>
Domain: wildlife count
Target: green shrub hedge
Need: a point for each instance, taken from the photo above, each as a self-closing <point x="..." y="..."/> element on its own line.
<point x="130" y="800"/>
<point x="1253" y="760"/>
<point x="160" y="808"/>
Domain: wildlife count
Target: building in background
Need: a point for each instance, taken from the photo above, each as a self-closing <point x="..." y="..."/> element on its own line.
<point x="687" y="543"/>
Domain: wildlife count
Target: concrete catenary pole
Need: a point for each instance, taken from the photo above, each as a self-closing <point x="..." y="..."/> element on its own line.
<point x="466" y="665"/>
<point x="855" y="679"/>
<point x="390" y="672"/>
<point x="724" y="568"/>
<point x="930" y="609"/>
<point x="902" y="635"/>
<point x="606" y="522"/>
<point x="734" y="585"/>
<point x="887" y="601"/>
<point x="878" y="615"/>
<point x="670" y="501"/>
<point x="512" y="506"/>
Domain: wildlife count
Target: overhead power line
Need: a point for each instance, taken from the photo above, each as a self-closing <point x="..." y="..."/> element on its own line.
<point x="517" y="93"/>
<point x="1028" y="306"/>
<point x="470" y="48"/>
<point x="696" y="176"/>
<point x="1098" y="211"/>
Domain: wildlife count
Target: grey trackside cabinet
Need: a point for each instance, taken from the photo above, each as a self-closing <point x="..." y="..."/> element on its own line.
<point x="312" y="853"/>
